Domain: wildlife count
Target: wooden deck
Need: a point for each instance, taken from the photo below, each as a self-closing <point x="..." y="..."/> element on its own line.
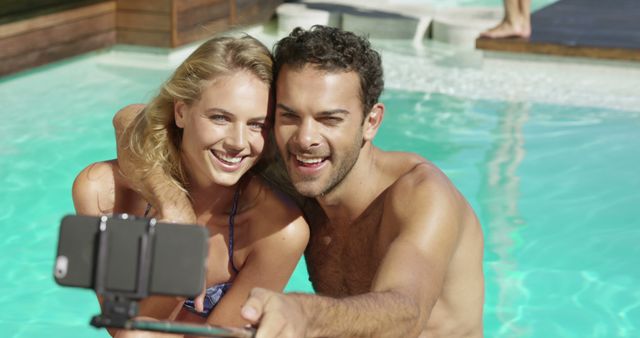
<point x="586" y="28"/>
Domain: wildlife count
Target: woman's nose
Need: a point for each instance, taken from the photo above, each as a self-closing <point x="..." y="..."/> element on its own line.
<point x="237" y="137"/>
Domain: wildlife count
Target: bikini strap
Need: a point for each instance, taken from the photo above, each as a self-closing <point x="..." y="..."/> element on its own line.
<point x="234" y="210"/>
<point x="146" y="211"/>
<point x="232" y="215"/>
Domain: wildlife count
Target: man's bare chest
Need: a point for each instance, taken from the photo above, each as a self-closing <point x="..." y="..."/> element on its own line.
<point x="343" y="263"/>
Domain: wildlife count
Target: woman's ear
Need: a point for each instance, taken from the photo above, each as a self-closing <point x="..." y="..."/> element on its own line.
<point x="372" y="121"/>
<point x="179" y="110"/>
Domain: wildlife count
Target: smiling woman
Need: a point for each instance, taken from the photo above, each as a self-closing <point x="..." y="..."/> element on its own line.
<point x="206" y="131"/>
<point x="222" y="133"/>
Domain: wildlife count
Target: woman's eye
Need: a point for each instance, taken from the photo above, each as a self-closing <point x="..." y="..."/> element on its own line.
<point x="218" y="118"/>
<point x="257" y="125"/>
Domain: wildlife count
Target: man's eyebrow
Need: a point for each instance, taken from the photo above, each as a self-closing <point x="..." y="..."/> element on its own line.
<point x="334" y="112"/>
<point x="322" y="113"/>
<point x="284" y="107"/>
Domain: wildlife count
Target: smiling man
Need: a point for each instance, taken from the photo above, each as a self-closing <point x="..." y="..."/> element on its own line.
<point x="395" y="250"/>
<point x="399" y="251"/>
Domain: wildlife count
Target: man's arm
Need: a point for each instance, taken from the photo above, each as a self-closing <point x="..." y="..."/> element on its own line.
<point x="407" y="284"/>
<point x="173" y="204"/>
<point x="380" y="314"/>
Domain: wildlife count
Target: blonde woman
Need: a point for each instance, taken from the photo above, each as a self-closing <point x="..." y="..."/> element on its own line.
<point x="207" y="130"/>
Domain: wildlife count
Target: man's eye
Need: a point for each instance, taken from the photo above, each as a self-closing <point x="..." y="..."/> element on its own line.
<point x="332" y="119"/>
<point x="287" y="115"/>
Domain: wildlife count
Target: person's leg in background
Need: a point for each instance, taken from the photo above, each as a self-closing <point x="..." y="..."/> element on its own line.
<point x="516" y="22"/>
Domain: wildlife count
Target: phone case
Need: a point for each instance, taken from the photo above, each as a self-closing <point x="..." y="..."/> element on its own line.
<point x="177" y="255"/>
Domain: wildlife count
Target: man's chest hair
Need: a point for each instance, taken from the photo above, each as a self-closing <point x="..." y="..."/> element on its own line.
<point x="343" y="263"/>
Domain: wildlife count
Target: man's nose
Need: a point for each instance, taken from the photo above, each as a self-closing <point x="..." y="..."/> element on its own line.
<point x="307" y="136"/>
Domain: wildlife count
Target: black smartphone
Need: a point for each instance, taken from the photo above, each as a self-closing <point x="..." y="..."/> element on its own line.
<point x="177" y="255"/>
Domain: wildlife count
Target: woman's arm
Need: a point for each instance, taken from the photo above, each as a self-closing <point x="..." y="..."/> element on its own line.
<point x="279" y="235"/>
<point x="94" y="194"/>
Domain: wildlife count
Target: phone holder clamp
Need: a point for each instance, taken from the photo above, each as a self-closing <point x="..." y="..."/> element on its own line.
<point x="118" y="308"/>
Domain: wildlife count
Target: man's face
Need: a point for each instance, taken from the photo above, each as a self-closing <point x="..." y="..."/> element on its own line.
<point x="318" y="126"/>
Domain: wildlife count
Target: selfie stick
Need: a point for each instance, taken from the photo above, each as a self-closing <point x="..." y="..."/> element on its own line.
<point x="118" y="308"/>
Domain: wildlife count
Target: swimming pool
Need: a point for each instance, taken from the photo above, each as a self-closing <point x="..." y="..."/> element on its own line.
<point x="546" y="151"/>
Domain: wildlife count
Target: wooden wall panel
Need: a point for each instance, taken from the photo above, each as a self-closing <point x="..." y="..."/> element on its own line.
<point x="47" y="38"/>
<point x="50" y="20"/>
<point x="60" y="34"/>
<point x="156" y="6"/>
<point x="56" y="52"/>
<point x="17" y="10"/>
<point x="97" y="24"/>
<point x="202" y="32"/>
<point x="144" y="22"/>
<point x="251" y="12"/>
<point x="144" y="38"/>
<point x="182" y="5"/>
<point x="191" y="17"/>
<point x="199" y="19"/>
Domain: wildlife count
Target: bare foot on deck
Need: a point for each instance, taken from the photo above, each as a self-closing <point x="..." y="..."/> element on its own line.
<point x="506" y="29"/>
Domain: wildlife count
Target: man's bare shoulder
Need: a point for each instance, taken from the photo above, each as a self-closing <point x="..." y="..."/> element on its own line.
<point x="399" y="162"/>
<point x="423" y="175"/>
<point x="410" y="171"/>
<point x="420" y="186"/>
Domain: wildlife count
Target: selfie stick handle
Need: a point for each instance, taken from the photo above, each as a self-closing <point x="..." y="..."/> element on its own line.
<point x="119" y="307"/>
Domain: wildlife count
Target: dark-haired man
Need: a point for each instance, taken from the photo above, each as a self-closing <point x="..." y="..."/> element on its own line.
<point x="396" y="250"/>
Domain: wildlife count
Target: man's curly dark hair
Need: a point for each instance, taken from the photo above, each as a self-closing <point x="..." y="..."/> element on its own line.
<point x="334" y="50"/>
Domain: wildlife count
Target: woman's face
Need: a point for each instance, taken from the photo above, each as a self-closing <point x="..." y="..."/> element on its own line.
<point x="224" y="131"/>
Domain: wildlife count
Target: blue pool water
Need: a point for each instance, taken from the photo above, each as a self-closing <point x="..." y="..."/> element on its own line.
<point x="556" y="188"/>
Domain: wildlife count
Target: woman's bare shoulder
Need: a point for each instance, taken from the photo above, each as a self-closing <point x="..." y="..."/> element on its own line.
<point x="127" y="114"/>
<point x="94" y="188"/>
<point x="101" y="189"/>
<point x="275" y="212"/>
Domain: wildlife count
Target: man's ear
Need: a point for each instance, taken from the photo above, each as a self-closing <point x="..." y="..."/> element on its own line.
<point x="179" y="110"/>
<point x="372" y="121"/>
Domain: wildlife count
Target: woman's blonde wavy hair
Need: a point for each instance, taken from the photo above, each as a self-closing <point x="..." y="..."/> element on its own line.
<point x="155" y="139"/>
